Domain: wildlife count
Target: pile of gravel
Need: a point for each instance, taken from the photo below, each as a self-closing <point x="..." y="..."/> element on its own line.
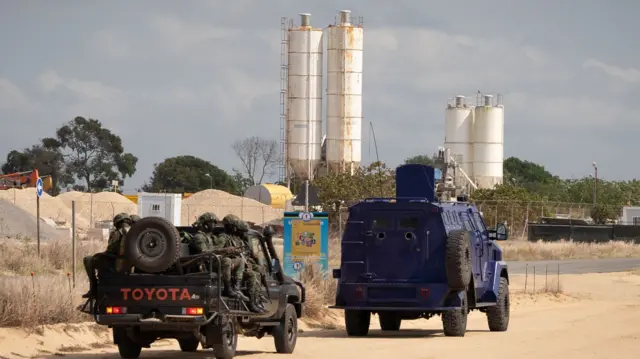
<point x="16" y="222"/>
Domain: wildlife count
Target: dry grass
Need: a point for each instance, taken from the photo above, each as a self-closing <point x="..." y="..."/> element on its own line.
<point x="47" y="299"/>
<point x="635" y="271"/>
<point x="531" y="251"/>
<point x="20" y="257"/>
<point x="30" y="301"/>
<point x="320" y="293"/>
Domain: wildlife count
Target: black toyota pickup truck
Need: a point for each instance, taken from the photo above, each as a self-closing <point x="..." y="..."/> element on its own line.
<point x="171" y="294"/>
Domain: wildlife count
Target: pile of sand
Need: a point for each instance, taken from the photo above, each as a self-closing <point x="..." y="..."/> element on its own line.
<point x="16" y="222"/>
<point x="222" y="203"/>
<point x="50" y="207"/>
<point x="101" y="206"/>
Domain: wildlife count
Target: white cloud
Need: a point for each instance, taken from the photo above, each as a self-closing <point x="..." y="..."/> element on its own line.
<point x="12" y="97"/>
<point x="433" y="60"/>
<point x="91" y="90"/>
<point x="630" y="75"/>
<point x="181" y="35"/>
<point x="114" y="46"/>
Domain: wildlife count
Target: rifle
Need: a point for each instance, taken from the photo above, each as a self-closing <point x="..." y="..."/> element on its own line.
<point x="227" y="250"/>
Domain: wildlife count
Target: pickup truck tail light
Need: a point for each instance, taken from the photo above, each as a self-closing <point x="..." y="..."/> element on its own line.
<point x="116" y="310"/>
<point x="192" y="311"/>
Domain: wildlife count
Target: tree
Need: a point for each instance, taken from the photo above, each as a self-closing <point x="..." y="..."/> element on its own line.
<point x="525" y="172"/>
<point x="339" y="190"/>
<point x="420" y="159"/>
<point x="189" y="174"/>
<point x="47" y="161"/>
<point x="259" y="158"/>
<point x="92" y="153"/>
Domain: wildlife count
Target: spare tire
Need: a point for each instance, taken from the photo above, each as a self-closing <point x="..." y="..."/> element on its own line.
<point x="458" y="259"/>
<point x="152" y="244"/>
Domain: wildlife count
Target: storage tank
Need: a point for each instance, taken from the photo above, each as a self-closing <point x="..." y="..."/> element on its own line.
<point x="458" y="132"/>
<point x="270" y="194"/>
<point x="304" y="102"/>
<point x="344" y="94"/>
<point x="488" y="143"/>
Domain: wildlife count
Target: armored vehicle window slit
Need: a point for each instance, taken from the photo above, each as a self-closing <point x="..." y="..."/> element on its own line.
<point x="381" y="223"/>
<point x="478" y="222"/>
<point x="466" y="221"/>
<point x="409" y="223"/>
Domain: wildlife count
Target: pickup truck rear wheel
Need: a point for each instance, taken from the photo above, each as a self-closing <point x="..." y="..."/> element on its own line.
<point x="152" y="244"/>
<point x="389" y="321"/>
<point x="189" y="344"/>
<point x="225" y="339"/>
<point x="458" y="259"/>
<point x="127" y="348"/>
<point x="357" y="322"/>
<point x="285" y="334"/>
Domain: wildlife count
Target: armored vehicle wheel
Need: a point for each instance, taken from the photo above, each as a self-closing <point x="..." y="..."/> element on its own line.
<point x="498" y="316"/>
<point x="454" y="322"/>
<point x="225" y="340"/>
<point x="357" y="322"/>
<point x="458" y="259"/>
<point x="189" y="344"/>
<point x="127" y="348"/>
<point x="389" y="321"/>
<point x="285" y="334"/>
<point x="152" y="244"/>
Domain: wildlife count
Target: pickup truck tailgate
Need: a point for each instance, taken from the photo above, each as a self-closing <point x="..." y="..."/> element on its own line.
<point x="152" y="295"/>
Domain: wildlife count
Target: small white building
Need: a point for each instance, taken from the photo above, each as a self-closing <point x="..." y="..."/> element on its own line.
<point x="630" y="215"/>
<point x="165" y="205"/>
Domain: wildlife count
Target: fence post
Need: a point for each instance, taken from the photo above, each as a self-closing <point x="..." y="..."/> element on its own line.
<point x="534" y="279"/>
<point x="526" y="276"/>
<point x="73" y="242"/>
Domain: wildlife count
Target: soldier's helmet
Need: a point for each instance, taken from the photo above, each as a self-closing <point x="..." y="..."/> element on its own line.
<point x="242" y="226"/>
<point x="120" y="218"/>
<point x="207" y="218"/>
<point x="230" y="221"/>
<point x="134" y="218"/>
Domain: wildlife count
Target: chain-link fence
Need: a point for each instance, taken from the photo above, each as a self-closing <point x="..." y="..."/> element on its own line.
<point x="515" y="214"/>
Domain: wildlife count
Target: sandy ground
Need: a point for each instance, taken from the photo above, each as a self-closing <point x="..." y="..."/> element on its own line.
<point x="597" y="318"/>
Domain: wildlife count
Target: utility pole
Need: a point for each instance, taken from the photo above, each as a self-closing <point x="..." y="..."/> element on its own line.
<point x="595" y="183"/>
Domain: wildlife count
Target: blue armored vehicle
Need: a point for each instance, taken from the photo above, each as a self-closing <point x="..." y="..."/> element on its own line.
<point x="414" y="257"/>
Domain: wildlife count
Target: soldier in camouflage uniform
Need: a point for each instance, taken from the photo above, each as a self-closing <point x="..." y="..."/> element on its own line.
<point x="206" y="241"/>
<point x="234" y="230"/>
<point x="254" y="272"/>
<point x="202" y="241"/>
<point x="115" y="246"/>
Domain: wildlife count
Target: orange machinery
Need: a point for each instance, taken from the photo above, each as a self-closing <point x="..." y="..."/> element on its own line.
<point x="24" y="180"/>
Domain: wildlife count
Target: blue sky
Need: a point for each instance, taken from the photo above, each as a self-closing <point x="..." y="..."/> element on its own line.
<point x="190" y="77"/>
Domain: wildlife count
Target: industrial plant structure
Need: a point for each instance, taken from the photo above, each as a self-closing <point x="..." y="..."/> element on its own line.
<point x="475" y="136"/>
<point x="301" y="97"/>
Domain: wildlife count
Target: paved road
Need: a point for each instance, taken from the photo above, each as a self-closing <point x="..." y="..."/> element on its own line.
<point x="579" y="266"/>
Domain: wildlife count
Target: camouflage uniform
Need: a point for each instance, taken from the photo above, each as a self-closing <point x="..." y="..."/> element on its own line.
<point x="205" y="241"/>
<point x="202" y="241"/>
<point x="236" y="229"/>
<point x="121" y="223"/>
<point x="255" y="277"/>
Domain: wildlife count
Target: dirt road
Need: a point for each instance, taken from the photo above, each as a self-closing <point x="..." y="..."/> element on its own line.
<point x="598" y="318"/>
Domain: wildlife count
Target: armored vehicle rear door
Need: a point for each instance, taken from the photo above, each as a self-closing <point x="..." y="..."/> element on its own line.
<point x="395" y="246"/>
